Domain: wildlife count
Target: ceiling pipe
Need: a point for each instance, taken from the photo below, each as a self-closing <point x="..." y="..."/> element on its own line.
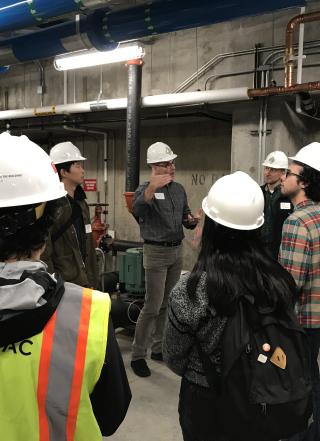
<point x="289" y="54"/>
<point x="83" y="32"/>
<point x="103" y="29"/>
<point x="211" y="96"/>
<point x="282" y="90"/>
<point x="16" y="15"/>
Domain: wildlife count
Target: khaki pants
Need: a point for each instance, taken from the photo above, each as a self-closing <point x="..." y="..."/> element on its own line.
<point x="162" y="271"/>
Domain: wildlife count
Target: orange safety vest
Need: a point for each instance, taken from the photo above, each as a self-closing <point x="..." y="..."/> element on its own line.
<point x="46" y="380"/>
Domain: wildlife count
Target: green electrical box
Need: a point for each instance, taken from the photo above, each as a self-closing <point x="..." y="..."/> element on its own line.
<point x="131" y="271"/>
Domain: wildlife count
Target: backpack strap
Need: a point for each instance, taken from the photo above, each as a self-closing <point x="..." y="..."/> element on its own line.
<point x="61" y="230"/>
<point x="74" y="216"/>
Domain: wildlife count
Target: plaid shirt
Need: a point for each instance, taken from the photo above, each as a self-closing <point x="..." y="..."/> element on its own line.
<point x="300" y="255"/>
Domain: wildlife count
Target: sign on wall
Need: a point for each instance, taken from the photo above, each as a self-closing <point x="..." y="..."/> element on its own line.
<point x="90" y="185"/>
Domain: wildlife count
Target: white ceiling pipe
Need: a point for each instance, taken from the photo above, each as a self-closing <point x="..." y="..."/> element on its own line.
<point x="171" y="99"/>
<point x="209" y="96"/>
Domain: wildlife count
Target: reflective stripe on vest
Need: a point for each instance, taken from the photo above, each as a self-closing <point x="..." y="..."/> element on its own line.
<point x="66" y="362"/>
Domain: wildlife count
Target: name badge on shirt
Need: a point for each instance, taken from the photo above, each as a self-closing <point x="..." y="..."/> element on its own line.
<point x="159" y="195"/>
<point x="88" y="228"/>
<point x="285" y="206"/>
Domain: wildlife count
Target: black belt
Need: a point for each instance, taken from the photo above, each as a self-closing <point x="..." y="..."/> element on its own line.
<point x="173" y="243"/>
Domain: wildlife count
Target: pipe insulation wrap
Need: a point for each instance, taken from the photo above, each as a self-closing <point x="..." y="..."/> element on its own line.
<point x="52" y="8"/>
<point x="212" y="96"/>
<point x="16" y="14"/>
<point x="49" y="42"/>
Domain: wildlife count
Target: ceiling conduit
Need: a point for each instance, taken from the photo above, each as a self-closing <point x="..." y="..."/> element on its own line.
<point x="15" y="14"/>
<point x="104" y="29"/>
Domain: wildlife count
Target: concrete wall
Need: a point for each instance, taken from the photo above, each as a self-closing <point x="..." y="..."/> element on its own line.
<point x="286" y="131"/>
<point x="207" y="148"/>
<point x="203" y="149"/>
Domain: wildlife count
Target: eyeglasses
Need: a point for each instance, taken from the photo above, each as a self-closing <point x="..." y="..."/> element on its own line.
<point x="270" y="169"/>
<point x="165" y="164"/>
<point x="290" y="173"/>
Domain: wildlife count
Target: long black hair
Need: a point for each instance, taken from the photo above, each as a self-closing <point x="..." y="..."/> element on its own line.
<point x="235" y="264"/>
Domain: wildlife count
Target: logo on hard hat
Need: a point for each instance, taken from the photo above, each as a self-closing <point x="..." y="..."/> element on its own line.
<point x="272" y="159"/>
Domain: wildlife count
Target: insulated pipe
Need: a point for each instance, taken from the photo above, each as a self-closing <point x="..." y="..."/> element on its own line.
<point x="109" y="28"/>
<point x="210" y="96"/>
<point x="289" y="54"/>
<point x="133" y="124"/>
<point x="81" y="33"/>
<point x="16" y="14"/>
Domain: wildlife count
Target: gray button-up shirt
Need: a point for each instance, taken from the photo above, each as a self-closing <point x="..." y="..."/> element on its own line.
<point x="161" y="219"/>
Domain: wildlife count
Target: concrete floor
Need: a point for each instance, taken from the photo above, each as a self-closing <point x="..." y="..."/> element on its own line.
<point x="153" y="413"/>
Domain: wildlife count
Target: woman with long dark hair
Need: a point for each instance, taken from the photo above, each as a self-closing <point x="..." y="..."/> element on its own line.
<point x="231" y="263"/>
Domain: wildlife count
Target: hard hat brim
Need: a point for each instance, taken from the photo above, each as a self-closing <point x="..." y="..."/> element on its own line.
<point x="165" y="158"/>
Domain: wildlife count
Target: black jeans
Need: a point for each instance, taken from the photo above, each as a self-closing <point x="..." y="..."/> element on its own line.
<point x="313" y="431"/>
<point x="196" y="410"/>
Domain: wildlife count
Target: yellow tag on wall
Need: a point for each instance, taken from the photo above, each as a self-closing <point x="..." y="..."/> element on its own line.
<point x="279" y="358"/>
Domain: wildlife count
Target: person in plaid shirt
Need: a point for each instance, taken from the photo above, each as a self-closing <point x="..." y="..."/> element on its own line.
<point x="300" y="255"/>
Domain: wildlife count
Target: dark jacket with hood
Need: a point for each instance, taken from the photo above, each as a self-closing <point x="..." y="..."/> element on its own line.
<point x="70" y="251"/>
<point x="29" y="296"/>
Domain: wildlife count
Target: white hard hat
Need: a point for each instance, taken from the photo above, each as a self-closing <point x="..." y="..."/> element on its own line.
<point x="158" y="152"/>
<point x="65" y="152"/>
<point x="27" y="175"/>
<point x="276" y="159"/>
<point x="309" y="155"/>
<point x="235" y="201"/>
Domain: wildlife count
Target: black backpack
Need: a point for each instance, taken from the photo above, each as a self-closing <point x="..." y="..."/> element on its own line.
<point x="263" y="394"/>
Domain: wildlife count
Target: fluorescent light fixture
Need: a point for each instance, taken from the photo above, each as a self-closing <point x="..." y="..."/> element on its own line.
<point x="92" y="57"/>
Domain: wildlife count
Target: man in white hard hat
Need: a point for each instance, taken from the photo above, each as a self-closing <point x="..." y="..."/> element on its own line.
<point x="162" y="208"/>
<point x="276" y="206"/>
<point x="62" y="375"/>
<point x="300" y="255"/>
<point x="70" y="250"/>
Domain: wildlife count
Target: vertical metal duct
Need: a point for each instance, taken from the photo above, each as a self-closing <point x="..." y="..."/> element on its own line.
<point x="133" y="124"/>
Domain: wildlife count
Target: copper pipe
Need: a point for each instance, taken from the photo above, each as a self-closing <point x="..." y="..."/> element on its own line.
<point x="289" y="62"/>
<point x="282" y="90"/>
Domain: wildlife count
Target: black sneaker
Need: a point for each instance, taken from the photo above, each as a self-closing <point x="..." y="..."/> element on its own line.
<point x="157" y="356"/>
<point x="140" y="368"/>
